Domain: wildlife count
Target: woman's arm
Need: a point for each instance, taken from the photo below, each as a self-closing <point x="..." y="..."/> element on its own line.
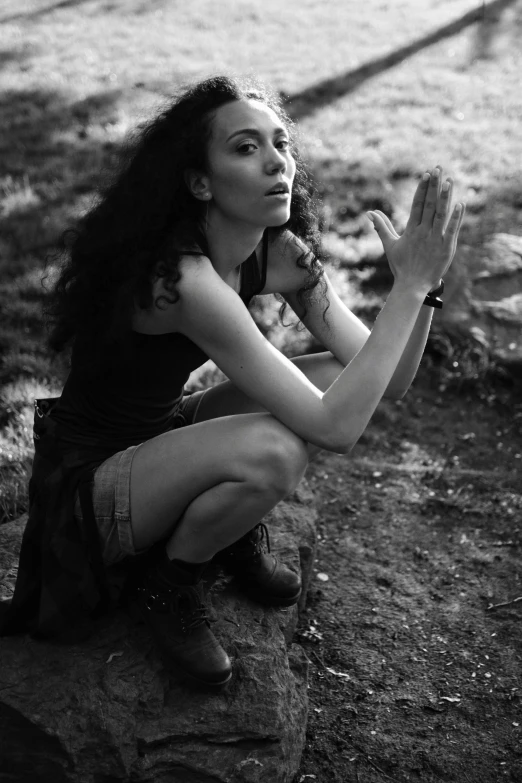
<point x="344" y="334"/>
<point x="214" y="317"/>
<point x="211" y="314"/>
<point x="409" y="362"/>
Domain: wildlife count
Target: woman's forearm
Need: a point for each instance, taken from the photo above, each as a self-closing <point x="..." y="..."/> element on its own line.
<point x="353" y="397"/>
<point x="409" y="362"/>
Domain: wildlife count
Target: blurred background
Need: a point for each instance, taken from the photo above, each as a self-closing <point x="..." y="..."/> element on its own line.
<point x="381" y="91"/>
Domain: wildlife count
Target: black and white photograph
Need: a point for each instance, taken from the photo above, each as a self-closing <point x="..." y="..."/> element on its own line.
<point x="260" y="391"/>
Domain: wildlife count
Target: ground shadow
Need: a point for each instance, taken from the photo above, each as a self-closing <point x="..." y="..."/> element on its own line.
<point x="309" y="100"/>
<point x="486" y="32"/>
<point x="11" y="55"/>
<point x="33" y="15"/>
<point x="43" y="134"/>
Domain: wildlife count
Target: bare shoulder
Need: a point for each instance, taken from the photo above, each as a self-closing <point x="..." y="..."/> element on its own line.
<point x="192" y="270"/>
<point x="197" y="282"/>
<point x="283" y="274"/>
<point x="196" y="273"/>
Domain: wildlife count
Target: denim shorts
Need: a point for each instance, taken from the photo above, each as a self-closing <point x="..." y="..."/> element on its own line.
<point x="111" y="492"/>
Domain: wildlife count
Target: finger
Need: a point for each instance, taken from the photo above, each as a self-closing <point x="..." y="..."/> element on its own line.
<point x="430" y="203"/>
<point x="417" y="204"/>
<point x="439" y="180"/>
<point x="452" y="233"/>
<point x="387" y="221"/>
<point x="443" y="202"/>
<point x="454" y="224"/>
<point x="462" y="212"/>
<point x="450" y="197"/>
<point x="382" y="229"/>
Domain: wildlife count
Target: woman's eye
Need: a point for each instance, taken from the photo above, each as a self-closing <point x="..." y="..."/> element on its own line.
<point x="246" y="147"/>
<point x="283" y="144"/>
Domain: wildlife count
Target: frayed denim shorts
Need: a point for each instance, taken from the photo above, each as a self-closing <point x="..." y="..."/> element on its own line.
<point x="111" y="492"/>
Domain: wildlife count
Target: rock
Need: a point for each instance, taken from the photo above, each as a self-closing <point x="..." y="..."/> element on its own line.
<point x="105" y="710"/>
<point x="483" y="297"/>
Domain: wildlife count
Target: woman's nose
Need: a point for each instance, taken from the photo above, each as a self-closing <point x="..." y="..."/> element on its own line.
<point x="276" y="161"/>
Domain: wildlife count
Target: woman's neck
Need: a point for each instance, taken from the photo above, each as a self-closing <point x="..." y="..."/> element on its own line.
<point x="230" y="243"/>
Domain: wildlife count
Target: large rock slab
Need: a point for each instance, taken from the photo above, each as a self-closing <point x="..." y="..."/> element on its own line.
<point x="105" y="710"/>
<point x="483" y="297"/>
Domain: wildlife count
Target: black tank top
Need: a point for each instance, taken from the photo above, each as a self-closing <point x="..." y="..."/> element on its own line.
<point x="138" y="396"/>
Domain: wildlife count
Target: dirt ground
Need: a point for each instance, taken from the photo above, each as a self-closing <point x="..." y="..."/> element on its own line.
<point x="413" y="625"/>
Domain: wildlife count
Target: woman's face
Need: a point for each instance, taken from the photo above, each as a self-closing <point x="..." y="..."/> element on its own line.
<point x="249" y="157"/>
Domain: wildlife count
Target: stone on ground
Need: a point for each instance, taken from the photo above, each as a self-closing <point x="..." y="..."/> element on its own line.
<point x="483" y="297"/>
<point x="106" y="711"/>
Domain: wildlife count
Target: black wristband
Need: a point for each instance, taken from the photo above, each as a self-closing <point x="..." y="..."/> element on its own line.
<point x="433" y="299"/>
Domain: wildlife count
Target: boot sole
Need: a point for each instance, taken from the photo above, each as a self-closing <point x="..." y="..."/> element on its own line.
<point x="260" y="596"/>
<point x="184" y="677"/>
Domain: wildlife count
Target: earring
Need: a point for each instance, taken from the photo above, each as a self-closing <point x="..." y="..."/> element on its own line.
<point x="206" y="218"/>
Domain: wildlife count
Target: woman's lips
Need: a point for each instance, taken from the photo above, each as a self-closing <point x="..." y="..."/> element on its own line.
<point x="278" y="196"/>
<point x="278" y="187"/>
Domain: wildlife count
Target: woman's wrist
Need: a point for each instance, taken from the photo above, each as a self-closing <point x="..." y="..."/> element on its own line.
<point x="414" y="288"/>
<point x="410" y="289"/>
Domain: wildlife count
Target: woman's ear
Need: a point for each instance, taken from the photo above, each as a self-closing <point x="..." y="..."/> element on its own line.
<point x="197" y="184"/>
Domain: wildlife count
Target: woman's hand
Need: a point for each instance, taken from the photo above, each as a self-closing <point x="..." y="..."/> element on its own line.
<point x="423" y="254"/>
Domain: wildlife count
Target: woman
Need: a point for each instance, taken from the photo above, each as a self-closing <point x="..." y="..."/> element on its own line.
<point x="212" y="208"/>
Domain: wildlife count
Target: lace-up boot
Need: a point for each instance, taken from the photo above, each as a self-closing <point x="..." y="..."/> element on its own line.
<point x="170" y="599"/>
<point x="263" y="577"/>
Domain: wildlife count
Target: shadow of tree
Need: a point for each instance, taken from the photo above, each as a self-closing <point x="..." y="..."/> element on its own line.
<point x="309" y="100"/>
<point x="56" y="157"/>
<point x="489" y="27"/>
<point x="32" y="15"/>
<point x="46" y="145"/>
<point x="10" y="55"/>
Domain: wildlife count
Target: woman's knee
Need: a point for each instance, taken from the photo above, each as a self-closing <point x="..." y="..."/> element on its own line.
<point x="279" y="457"/>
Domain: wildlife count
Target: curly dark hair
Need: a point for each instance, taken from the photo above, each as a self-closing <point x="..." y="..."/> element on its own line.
<point x="146" y="217"/>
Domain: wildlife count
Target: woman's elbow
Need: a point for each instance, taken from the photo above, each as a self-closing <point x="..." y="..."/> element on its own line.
<point x="340" y="443"/>
<point x="395" y="394"/>
<point x="343" y="450"/>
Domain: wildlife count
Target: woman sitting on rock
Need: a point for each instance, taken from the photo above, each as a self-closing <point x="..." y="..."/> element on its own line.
<point x="212" y="207"/>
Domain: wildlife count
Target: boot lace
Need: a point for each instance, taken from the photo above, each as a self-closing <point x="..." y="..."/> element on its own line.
<point x="184" y="602"/>
<point x="260" y="539"/>
<point x="191" y="609"/>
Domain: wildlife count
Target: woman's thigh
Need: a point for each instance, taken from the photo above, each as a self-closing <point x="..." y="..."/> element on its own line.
<point x="170" y="471"/>
<point x="232" y="439"/>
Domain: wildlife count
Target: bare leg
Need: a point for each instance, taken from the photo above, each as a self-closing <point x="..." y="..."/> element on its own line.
<point x="217" y="518"/>
<point x="208" y="484"/>
<point x="202" y="487"/>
